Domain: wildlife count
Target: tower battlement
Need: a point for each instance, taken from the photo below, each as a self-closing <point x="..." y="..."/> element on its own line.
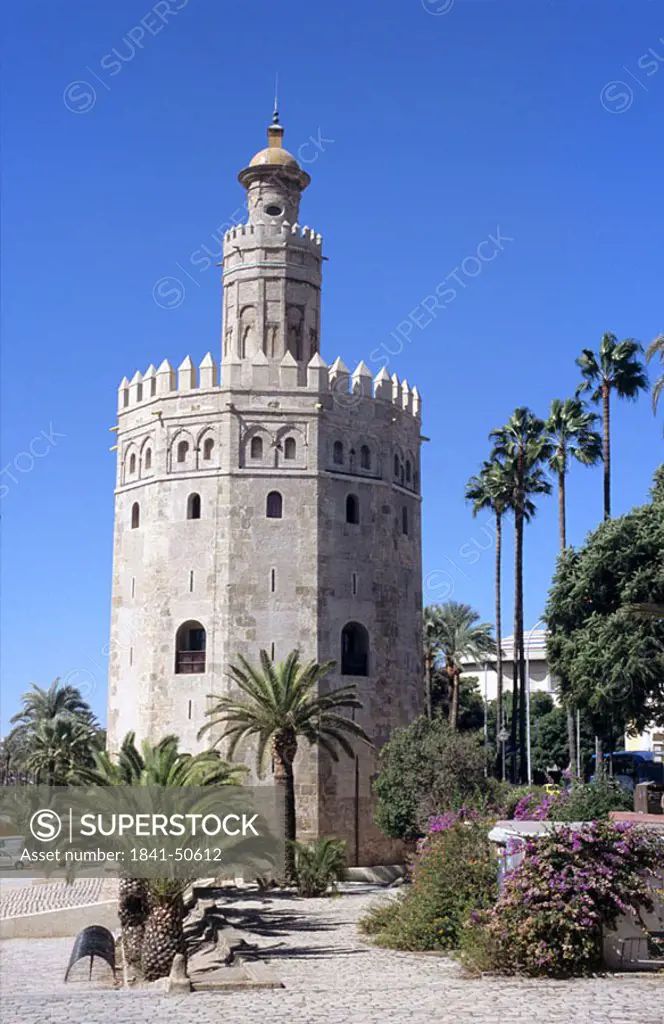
<point x="274" y="232"/>
<point x="335" y="379"/>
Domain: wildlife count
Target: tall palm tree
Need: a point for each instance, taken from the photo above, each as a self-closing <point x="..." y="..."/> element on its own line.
<point x="490" y="489"/>
<point x="151" y="911"/>
<point x="431" y="648"/>
<point x="656" y="348"/>
<point x="461" y="636"/>
<point x="59" y="749"/>
<point x="280" y="704"/>
<point x="571" y="431"/>
<point x="521" y="446"/>
<point x="614" y="368"/>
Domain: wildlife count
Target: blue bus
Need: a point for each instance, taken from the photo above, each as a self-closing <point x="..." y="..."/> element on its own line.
<point x="630" y="767"/>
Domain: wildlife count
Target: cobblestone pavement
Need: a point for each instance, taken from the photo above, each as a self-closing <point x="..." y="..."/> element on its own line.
<point x="331" y="976"/>
<point x="30" y="898"/>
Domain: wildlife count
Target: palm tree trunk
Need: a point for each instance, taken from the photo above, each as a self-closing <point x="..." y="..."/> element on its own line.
<point x="454" y="698"/>
<point x="562" y="526"/>
<point x="428" y="679"/>
<point x="606" y="424"/>
<point x="518" y="534"/>
<point x="562" y="517"/>
<point x="499" y="642"/>
<point x="284" y="777"/>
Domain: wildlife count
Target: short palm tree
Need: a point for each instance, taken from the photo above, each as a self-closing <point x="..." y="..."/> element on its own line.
<point x="40" y="704"/>
<point x="279" y="705"/>
<point x="491" y="489"/>
<point x="151" y="910"/>
<point x="431" y="650"/>
<point x="656" y="348"/>
<point x="521" y="446"/>
<point x="615" y="368"/>
<point x="571" y="431"/>
<point x="462" y="636"/>
<point x="59" y="749"/>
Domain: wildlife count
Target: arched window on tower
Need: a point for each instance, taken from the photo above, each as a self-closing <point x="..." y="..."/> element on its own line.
<point x="365" y="457"/>
<point x="274" y="506"/>
<point x="256" y="448"/>
<point x="338" y="453"/>
<point x="183" y="451"/>
<point x="354" y="650"/>
<point x="352" y="509"/>
<point x="148" y="458"/>
<point x="408" y="472"/>
<point x="208" y="448"/>
<point x="135" y="516"/>
<point x="190" y="648"/>
<point x="194" y="506"/>
<point x="396" y="467"/>
<point x="289" y="448"/>
<point x="132" y="463"/>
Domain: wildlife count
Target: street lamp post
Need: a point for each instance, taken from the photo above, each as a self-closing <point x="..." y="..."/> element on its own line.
<point x="528" y="750"/>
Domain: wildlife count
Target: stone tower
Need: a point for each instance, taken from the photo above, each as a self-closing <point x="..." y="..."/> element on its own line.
<point x="277" y="509"/>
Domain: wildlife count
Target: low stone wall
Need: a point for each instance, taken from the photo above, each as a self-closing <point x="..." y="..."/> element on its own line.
<point x="61" y="923"/>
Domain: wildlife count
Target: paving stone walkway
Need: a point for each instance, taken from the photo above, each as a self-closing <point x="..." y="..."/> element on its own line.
<point x="29" y="898"/>
<point x="332" y="976"/>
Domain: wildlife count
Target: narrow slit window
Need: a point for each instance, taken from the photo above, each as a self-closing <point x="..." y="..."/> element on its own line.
<point x="353" y="584"/>
<point x="135" y="516"/>
<point x="191" y="581"/>
<point x="132" y="463"/>
<point x="273" y="580"/>
<point x="352" y="509"/>
<point x="133" y="586"/>
<point x="148" y="458"/>
<point x="404" y="520"/>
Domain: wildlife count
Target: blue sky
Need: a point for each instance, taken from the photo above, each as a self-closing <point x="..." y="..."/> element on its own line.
<point x="438" y="125"/>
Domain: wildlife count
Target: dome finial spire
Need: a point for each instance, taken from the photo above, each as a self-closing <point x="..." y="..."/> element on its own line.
<point x="275" y="112"/>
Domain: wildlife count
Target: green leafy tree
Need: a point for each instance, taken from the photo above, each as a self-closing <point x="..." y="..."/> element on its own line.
<point x="461" y="636"/>
<point x="617" y="369"/>
<point x="610" y="658"/>
<point x="426" y="768"/>
<point x="491" y="489"/>
<point x="521" y="446"/>
<point x="280" y="704"/>
<point x="151" y="910"/>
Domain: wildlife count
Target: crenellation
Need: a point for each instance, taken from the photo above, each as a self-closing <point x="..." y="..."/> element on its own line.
<point x="208" y="372"/>
<point x="165" y="378"/>
<point x="187" y="375"/>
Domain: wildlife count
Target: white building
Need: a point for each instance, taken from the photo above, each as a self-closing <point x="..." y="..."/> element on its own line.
<point x="537" y="667"/>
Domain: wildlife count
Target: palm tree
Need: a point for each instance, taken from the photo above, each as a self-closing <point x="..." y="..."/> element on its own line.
<point x="461" y="636"/>
<point x="59" y="748"/>
<point x="490" y="489"/>
<point x="614" y="368"/>
<point x="280" y="704"/>
<point x="39" y="704"/>
<point x="570" y="428"/>
<point x="521" y="446"/>
<point x="151" y="910"/>
<point x="431" y="648"/>
<point x="656" y="348"/>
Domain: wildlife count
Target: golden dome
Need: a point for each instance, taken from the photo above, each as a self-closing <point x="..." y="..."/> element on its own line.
<point x="274" y="155"/>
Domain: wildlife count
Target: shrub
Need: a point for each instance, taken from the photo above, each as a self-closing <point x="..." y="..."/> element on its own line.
<point x="570" y="886"/>
<point x="454" y="874"/>
<point x="319" y="865"/>
<point x="592" y="801"/>
<point x="425" y="769"/>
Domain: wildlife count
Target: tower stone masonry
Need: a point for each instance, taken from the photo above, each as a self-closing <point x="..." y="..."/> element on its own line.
<point x="278" y="509"/>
